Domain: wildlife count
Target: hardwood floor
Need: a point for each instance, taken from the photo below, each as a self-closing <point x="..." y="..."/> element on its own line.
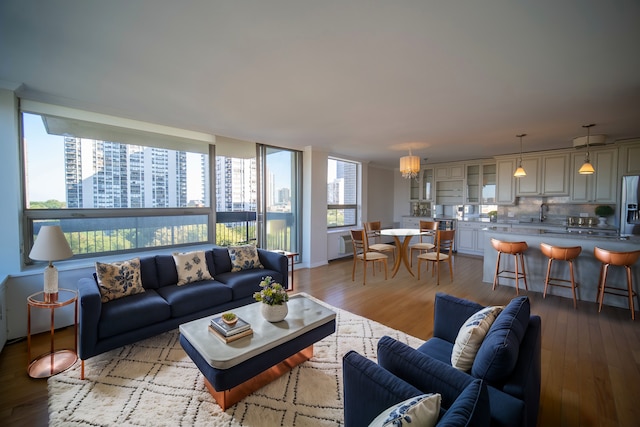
<point x="590" y="360"/>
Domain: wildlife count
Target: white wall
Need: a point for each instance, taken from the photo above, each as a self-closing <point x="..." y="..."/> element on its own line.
<point x="380" y="190"/>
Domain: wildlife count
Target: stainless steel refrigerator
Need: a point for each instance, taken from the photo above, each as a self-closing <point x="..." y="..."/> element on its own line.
<point x="629" y="213"/>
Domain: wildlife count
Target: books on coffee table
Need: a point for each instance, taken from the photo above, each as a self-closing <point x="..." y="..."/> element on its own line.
<point x="226" y="330"/>
<point x="230" y="338"/>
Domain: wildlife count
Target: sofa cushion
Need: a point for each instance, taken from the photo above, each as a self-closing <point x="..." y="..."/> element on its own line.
<point x="244" y="258"/>
<point x="470" y="337"/>
<point x="119" y="279"/>
<point x="191" y="267"/>
<point x="499" y="351"/>
<point x="422" y="410"/>
<point x="193" y="297"/>
<point x="470" y="408"/>
<point x="166" y="270"/>
<point x="245" y="283"/>
<point x="437" y="348"/>
<point x="131" y="313"/>
<point x="221" y="260"/>
<point x="148" y="273"/>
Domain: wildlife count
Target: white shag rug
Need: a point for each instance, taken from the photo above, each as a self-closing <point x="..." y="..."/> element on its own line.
<point x="154" y="383"/>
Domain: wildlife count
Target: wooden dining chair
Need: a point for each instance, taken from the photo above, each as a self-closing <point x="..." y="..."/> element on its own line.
<point x="372" y="229"/>
<point x="443" y="253"/>
<point x="362" y="253"/>
<point x="427" y="241"/>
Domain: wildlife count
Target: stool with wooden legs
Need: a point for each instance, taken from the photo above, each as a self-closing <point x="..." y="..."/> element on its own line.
<point x="517" y="250"/>
<point x="560" y="253"/>
<point x="623" y="259"/>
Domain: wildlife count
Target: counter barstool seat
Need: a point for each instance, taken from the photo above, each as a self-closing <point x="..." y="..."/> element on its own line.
<point x="517" y="250"/>
<point x="560" y="253"/>
<point x="623" y="259"/>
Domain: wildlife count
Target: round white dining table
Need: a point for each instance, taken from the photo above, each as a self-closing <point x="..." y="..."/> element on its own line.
<point x="403" y="246"/>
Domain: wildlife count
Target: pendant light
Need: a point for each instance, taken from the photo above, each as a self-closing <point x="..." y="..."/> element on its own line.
<point x="587" y="167"/>
<point x="519" y="173"/>
<point x="410" y="166"/>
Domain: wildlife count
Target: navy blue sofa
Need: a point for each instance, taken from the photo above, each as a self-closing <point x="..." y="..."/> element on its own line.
<point x="508" y="361"/>
<point x="164" y="305"/>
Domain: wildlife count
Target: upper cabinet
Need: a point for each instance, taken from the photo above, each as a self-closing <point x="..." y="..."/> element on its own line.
<point x="630" y="157"/>
<point x="505" y="188"/>
<point x="422" y="188"/>
<point x="444" y="172"/>
<point x="480" y="183"/>
<point x="472" y="193"/>
<point x="599" y="187"/>
<point x="547" y="175"/>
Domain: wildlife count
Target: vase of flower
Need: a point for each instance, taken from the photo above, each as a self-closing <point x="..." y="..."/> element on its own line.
<point x="274" y="313"/>
<point x="274" y="299"/>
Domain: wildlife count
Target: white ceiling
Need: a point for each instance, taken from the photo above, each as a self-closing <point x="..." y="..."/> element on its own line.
<point x="453" y="80"/>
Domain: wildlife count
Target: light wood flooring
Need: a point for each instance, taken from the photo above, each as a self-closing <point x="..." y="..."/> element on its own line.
<point x="590" y="360"/>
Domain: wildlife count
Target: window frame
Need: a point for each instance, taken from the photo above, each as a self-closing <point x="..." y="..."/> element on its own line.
<point x="30" y="216"/>
<point x="347" y="206"/>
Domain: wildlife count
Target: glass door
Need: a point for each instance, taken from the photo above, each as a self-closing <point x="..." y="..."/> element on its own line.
<point x="279" y="199"/>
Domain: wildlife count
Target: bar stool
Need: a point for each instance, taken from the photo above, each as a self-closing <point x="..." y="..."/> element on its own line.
<point x="560" y="253"/>
<point x="625" y="259"/>
<point x="517" y="250"/>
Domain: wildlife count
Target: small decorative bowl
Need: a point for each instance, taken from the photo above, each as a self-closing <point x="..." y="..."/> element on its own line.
<point x="232" y="319"/>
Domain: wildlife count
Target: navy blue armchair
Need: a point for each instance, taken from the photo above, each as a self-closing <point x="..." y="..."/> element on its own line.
<point x="508" y="363"/>
<point x="371" y="388"/>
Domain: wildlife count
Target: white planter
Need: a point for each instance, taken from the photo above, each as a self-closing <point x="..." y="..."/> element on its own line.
<point x="602" y="221"/>
<point x="274" y="313"/>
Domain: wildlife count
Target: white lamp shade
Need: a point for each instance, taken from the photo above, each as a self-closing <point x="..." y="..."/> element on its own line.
<point x="410" y="166"/>
<point x="50" y="245"/>
<point x="586" y="168"/>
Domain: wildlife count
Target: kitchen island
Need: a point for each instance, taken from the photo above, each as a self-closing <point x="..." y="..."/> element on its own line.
<point x="587" y="268"/>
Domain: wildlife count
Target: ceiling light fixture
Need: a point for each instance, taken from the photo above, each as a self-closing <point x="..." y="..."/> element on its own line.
<point x="519" y="173"/>
<point x="410" y="166"/>
<point x="587" y="167"/>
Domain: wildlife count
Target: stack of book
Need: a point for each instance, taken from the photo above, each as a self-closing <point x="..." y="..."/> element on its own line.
<point x="230" y="333"/>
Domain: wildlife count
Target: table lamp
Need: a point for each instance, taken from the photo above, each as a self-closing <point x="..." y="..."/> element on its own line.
<point x="51" y="245"/>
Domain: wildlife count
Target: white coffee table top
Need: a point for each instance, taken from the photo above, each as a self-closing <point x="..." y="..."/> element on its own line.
<point x="304" y="315"/>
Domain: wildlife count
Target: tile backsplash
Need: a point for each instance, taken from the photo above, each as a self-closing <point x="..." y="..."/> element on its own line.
<point x="558" y="209"/>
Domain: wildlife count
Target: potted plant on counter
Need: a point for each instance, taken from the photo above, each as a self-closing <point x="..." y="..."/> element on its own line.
<point x="602" y="212"/>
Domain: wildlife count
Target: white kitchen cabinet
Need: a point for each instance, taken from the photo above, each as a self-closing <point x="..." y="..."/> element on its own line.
<point x="601" y="187"/>
<point x="421" y="188"/>
<point x="630" y="158"/>
<point x="473" y="180"/>
<point x="470" y="237"/>
<point x="547" y="175"/>
<point x="449" y="172"/>
<point x="450" y="192"/>
<point x="505" y="188"/>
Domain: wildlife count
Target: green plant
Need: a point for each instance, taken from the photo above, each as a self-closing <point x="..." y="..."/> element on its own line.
<point x="229" y="317"/>
<point x="604" y="210"/>
<point x="272" y="293"/>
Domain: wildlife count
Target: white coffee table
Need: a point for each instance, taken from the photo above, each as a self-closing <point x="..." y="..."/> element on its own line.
<point x="234" y="370"/>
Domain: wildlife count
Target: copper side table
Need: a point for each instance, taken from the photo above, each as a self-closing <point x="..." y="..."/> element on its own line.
<point x="291" y="261"/>
<point x="55" y="361"/>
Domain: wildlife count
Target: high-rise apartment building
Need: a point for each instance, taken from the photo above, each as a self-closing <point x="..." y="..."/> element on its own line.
<point x="236" y="184"/>
<point x="103" y="174"/>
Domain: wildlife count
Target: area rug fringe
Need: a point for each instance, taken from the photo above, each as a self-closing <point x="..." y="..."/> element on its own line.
<point x="154" y="383"/>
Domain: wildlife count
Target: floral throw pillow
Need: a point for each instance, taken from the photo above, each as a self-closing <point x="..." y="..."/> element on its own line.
<point x="420" y="411"/>
<point x="191" y="267"/>
<point x="244" y="258"/>
<point x="119" y="279"/>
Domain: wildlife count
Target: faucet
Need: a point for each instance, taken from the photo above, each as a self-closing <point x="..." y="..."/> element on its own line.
<point x="542" y="216"/>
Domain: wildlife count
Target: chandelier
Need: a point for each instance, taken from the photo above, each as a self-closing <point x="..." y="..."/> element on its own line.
<point x="410" y="166"/>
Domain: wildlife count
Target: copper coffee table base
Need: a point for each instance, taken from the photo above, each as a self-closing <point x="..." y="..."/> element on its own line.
<point x="228" y="398"/>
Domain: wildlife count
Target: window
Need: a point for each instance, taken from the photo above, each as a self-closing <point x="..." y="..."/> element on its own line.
<point x="111" y="188"/>
<point x="342" y="193"/>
